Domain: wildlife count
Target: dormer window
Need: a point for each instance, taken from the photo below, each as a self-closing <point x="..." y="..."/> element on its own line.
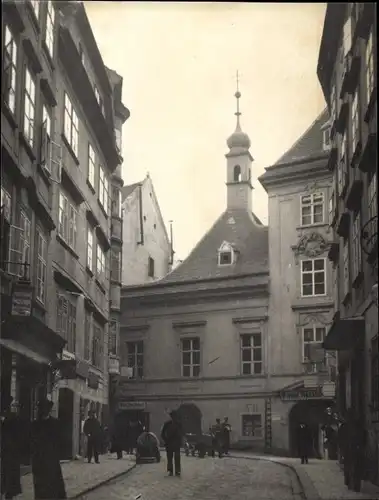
<point x="326" y="142"/>
<point x="237" y="174"/>
<point x="225" y="255"/>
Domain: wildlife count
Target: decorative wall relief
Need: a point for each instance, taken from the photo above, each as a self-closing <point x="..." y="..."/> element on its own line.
<point x="315" y="318"/>
<point x="311" y="245"/>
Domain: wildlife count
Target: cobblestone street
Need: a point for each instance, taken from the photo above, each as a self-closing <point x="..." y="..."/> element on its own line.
<point x="207" y="479"/>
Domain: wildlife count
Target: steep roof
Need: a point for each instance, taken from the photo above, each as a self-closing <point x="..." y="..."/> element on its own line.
<point x="247" y="235"/>
<point x="309" y="144"/>
<point x="127" y="190"/>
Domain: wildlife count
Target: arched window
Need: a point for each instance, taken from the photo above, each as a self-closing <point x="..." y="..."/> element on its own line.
<point x="237" y="173"/>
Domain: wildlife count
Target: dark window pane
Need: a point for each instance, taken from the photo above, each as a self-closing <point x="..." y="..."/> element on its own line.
<point x="246" y="369"/>
<point x="306" y="265"/>
<point x="320" y="334"/>
<point x="308" y="334"/>
<point x="246" y="354"/>
<point x="140" y="372"/>
<point x="131" y="361"/>
<point x="186" y="357"/>
<point x="319" y="264"/>
<point x="196" y="371"/>
<point x="139" y="360"/>
<point x="257" y="338"/>
<point x="320" y="289"/>
<point x="196" y="344"/>
<point x="307" y="290"/>
<point x="186" y="345"/>
<point x="319" y="277"/>
<point x="196" y="358"/>
<point x="307" y="279"/>
<point x="186" y="371"/>
<point x="246" y="340"/>
<point x="257" y="368"/>
<point x="140" y="347"/>
<point x="257" y="354"/>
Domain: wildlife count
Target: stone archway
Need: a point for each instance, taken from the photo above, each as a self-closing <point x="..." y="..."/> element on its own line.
<point x="190" y="416"/>
<point x="311" y="412"/>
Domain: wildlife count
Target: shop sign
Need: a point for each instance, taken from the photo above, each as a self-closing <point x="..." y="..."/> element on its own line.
<point x="113" y="366"/>
<point x="131" y="405"/>
<point x="301" y="393"/>
<point x="329" y="389"/>
<point x="22" y="300"/>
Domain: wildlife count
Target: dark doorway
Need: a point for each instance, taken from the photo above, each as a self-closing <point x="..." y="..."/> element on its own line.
<point x="190" y="416"/>
<point x="313" y="414"/>
<point x="65" y="416"/>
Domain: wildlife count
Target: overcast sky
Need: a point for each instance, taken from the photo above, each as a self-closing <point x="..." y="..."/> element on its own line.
<point x="179" y="61"/>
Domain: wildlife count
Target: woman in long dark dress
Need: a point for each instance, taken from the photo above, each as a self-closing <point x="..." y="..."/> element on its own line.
<point x="11" y="442"/>
<point x="45" y="448"/>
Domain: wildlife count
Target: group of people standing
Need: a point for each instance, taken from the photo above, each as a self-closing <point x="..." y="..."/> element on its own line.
<point x="221" y="436"/>
<point x="42" y="441"/>
<point x="124" y="436"/>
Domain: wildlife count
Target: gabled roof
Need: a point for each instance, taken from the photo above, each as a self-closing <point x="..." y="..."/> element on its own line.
<point x="247" y="235"/>
<point x="309" y="144"/>
<point x="128" y="190"/>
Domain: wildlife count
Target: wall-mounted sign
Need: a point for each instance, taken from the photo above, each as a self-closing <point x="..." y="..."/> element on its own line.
<point x="302" y="393"/>
<point x="22" y="300"/>
<point x="329" y="389"/>
<point x="131" y="405"/>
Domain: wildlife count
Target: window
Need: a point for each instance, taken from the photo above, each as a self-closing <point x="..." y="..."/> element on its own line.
<point x="71" y="125"/>
<point x="67" y="227"/>
<point x="66" y="321"/>
<point x="6" y="204"/>
<point x="87" y="336"/>
<point x="252" y="426"/>
<point x="9" y="69"/>
<point x="50" y="22"/>
<point x="90" y="249"/>
<point x="313" y="337"/>
<point x="113" y="337"/>
<point x="225" y="258"/>
<point x="356" y="245"/>
<point x="375" y="375"/>
<point x="29" y="107"/>
<point x="103" y="189"/>
<point x="116" y="202"/>
<point x="369" y="67"/>
<point x="237" y="174"/>
<point x="326" y="143"/>
<point x="35" y="6"/>
<point x="91" y="165"/>
<point x="190" y="357"/>
<point x="100" y="264"/>
<point x="312" y="209"/>
<point x="332" y="205"/>
<point x="6" y="210"/>
<point x="150" y="267"/>
<point x="342" y="176"/>
<point x="135" y="358"/>
<point x="347" y="36"/>
<point x="41" y="266"/>
<point x="116" y="265"/>
<point x="97" y="345"/>
<point x="46" y="139"/>
<point x="313" y="277"/>
<point x="98" y="98"/>
<point x="346" y="268"/>
<point x="354" y="123"/>
<point x="372" y="203"/>
<point x="19" y="247"/>
<point x="251" y="354"/>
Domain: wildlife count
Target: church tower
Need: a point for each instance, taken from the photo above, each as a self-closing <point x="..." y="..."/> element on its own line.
<point x="239" y="160"/>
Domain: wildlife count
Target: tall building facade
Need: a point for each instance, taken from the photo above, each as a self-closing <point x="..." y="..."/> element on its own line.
<point x="67" y="110"/>
<point x="301" y="307"/>
<point x="347" y="70"/>
<point x="147" y="250"/>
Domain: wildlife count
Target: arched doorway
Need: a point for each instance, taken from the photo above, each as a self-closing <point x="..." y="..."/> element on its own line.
<point x="190" y="416"/>
<point x="313" y="414"/>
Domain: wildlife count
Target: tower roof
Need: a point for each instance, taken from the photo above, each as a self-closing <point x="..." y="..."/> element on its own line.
<point x="238" y="139"/>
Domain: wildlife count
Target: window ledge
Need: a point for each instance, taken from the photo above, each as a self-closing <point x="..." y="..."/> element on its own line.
<point x="67" y="246"/>
<point x="116" y="282"/>
<point x="101" y="285"/>
<point x="92" y="189"/>
<point x="27" y="146"/>
<point x="252" y="375"/>
<point x="90" y="272"/>
<point x="45" y="174"/>
<point x="71" y="151"/>
<point x="308" y="226"/>
<point x="10" y="115"/>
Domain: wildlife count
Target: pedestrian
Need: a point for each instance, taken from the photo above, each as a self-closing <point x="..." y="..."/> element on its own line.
<point x="129" y="437"/>
<point x="354" y="452"/>
<point x="45" y="453"/>
<point x="11" y="445"/>
<point x="304" y="440"/>
<point x="119" y="438"/>
<point x="172" y="436"/>
<point x="226" y="435"/>
<point x="92" y="429"/>
<point x="219" y="437"/>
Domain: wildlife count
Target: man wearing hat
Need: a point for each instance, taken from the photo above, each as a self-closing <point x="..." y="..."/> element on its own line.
<point x="45" y="450"/>
<point x="92" y="429"/>
<point x="172" y="436"/>
<point x="11" y="442"/>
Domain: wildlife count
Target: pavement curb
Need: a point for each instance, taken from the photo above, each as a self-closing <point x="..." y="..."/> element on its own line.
<point x="306" y="488"/>
<point x="101" y="483"/>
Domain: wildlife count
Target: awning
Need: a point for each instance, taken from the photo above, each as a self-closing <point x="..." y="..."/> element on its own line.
<point x="14" y="346"/>
<point x="344" y="334"/>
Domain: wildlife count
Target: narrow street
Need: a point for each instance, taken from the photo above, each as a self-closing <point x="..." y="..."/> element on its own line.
<point x="207" y="479"/>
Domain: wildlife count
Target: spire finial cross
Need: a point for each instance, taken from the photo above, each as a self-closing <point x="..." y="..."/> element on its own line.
<point x="238" y="95"/>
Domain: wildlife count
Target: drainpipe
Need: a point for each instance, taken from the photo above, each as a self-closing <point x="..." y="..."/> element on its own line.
<point x="141" y="242"/>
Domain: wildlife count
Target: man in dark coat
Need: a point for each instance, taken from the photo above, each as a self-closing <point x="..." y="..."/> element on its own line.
<point x="172" y="436"/>
<point x="92" y="429"/>
<point x="304" y="440"/>
<point x="219" y="437"/>
<point x="354" y="452"/>
<point x="45" y="449"/>
<point x="119" y="437"/>
<point x="226" y="434"/>
<point x="11" y="443"/>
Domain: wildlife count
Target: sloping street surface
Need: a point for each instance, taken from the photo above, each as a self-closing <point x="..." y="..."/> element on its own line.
<point x="79" y="476"/>
<point x="204" y="479"/>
